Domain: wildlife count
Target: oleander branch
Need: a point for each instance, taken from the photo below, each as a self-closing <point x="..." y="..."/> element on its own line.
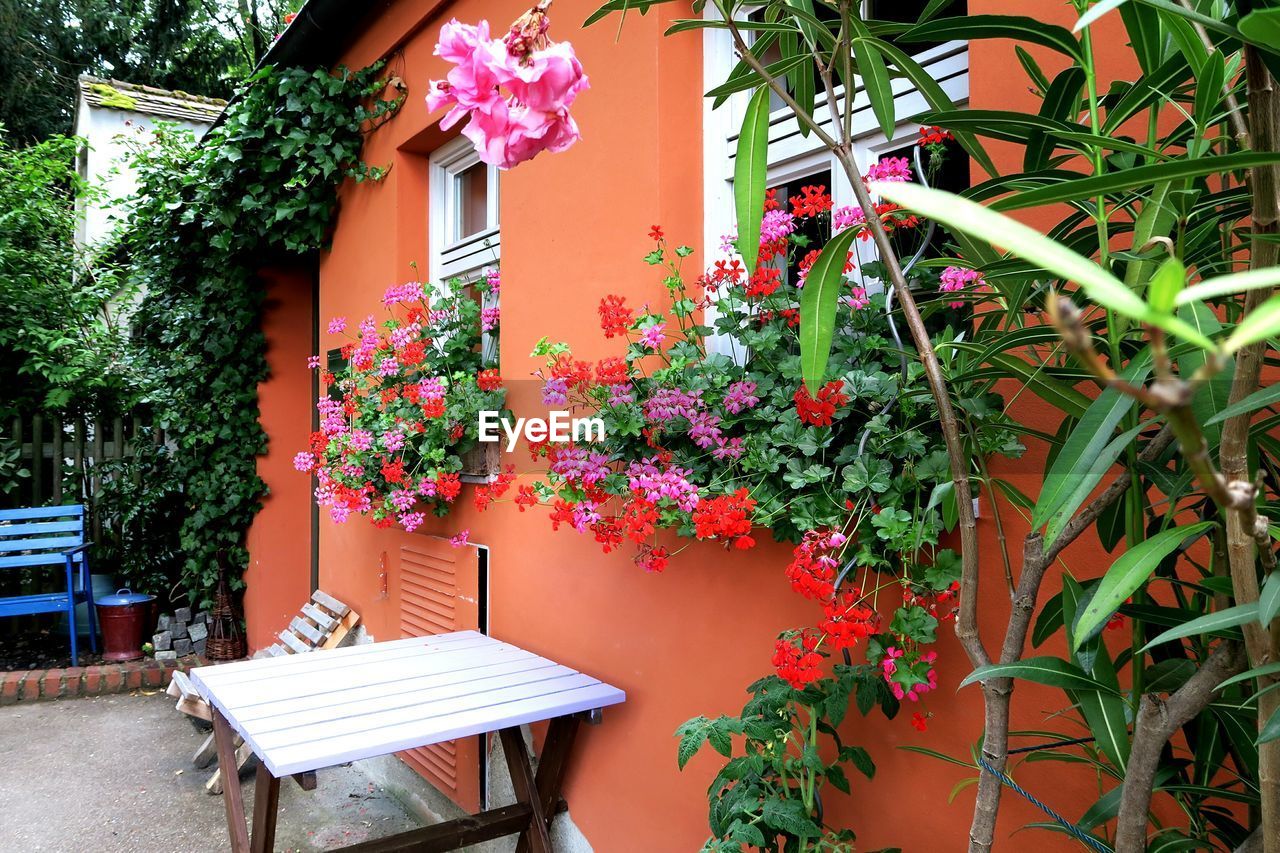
<point x="1158" y="720"/>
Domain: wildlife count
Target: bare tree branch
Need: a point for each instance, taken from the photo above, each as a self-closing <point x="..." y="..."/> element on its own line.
<point x="1242" y="548"/>
<point x="1158" y="720"/>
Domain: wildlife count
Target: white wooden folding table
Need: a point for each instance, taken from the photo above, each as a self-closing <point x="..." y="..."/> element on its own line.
<point x="306" y="712"/>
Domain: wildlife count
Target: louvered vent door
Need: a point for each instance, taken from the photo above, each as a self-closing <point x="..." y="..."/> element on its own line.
<point x="440" y="592"/>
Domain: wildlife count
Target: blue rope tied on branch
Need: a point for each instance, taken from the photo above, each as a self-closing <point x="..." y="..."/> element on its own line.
<point x="1070" y="827"/>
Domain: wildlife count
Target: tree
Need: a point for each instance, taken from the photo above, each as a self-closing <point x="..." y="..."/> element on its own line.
<point x="201" y="46"/>
<point x="59" y="339"/>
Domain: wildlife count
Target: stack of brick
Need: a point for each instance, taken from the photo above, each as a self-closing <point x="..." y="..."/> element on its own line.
<point x="181" y="633"/>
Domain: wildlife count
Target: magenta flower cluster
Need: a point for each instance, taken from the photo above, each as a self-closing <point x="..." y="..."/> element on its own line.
<point x="658" y="482"/>
<point x="580" y="465"/>
<point x="541" y="85"/>
<point x="956" y="279"/>
<point x="890" y="170"/>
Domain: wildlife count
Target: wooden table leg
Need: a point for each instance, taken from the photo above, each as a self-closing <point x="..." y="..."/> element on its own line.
<point x="551" y="767"/>
<point x="224" y="737"/>
<point x="535" y="835"/>
<point x="266" y="805"/>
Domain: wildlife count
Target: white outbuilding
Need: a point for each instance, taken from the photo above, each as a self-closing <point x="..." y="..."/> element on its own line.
<point x="111" y="115"/>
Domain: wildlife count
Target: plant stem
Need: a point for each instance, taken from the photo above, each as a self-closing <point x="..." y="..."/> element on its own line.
<point x="1157" y="721"/>
<point x="1099" y="165"/>
<point x="1262" y="645"/>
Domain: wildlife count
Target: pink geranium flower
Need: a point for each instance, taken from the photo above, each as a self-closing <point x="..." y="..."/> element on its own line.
<point x="956" y="279"/>
<point x="541" y="80"/>
<point x="890" y="170"/>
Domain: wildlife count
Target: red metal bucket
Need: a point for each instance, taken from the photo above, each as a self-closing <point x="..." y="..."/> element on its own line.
<point x="123" y="617"/>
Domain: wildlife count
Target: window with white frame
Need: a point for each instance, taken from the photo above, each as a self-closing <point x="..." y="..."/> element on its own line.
<point x="464" y="244"/>
<point x="795" y="159"/>
<point x="464" y="234"/>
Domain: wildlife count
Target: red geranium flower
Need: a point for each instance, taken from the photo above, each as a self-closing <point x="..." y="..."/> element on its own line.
<point x="412" y="353"/>
<point x="561" y="513"/>
<point x="526" y="497"/>
<point x="812" y="571"/>
<point x="846" y="621"/>
<point x="615" y="317"/>
<point x="448" y="486"/>
<point x="764" y="282"/>
<point x="934" y="135"/>
<point x="489" y="380"/>
<point x="797" y="660"/>
<point x="393" y="472"/>
<point x="611" y="371"/>
<point x="727" y="517"/>
<point x="640" y="518"/>
<point x="811" y="201"/>
<point x="608" y="534"/>
<point x="730" y="272"/>
<point x="653" y="559"/>
<point x="575" y="372"/>
<point x="818" y="411"/>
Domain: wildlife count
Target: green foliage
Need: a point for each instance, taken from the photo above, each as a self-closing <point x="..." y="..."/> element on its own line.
<point x="1129" y="573"/>
<point x="1146" y="180"/>
<point x="59" y="336"/>
<point x="12" y="471"/>
<point x="205" y="218"/>
<point x="142" y="505"/>
<point x="200" y="46"/>
<point x="1152" y="253"/>
<point x="750" y="172"/>
<point x="769" y="797"/>
<point x="819" y="301"/>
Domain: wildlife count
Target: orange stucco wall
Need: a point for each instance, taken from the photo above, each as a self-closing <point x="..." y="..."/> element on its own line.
<point x="688" y="641"/>
<point x="279" y="573"/>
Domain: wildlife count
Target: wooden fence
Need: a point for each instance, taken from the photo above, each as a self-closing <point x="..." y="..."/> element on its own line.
<point x="63" y="457"/>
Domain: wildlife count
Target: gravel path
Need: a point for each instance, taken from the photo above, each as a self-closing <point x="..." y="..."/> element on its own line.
<point x="114" y="773"/>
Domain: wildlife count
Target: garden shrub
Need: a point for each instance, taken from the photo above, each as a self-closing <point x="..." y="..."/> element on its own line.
<point x="261" y="185"/>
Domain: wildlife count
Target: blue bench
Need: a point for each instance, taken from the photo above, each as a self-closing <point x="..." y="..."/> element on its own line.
<point x="49" y="536"/>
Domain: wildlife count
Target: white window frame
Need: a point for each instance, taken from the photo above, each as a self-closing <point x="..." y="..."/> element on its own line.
<point x="453" y="256"/>
<point x="793" y="156"/>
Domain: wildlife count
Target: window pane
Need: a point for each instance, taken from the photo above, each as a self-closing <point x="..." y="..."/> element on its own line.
<point x="774" y="54"/>
<point x="811" y="232"/>
<point x="472" y="198"/>
<point x="950" y="172"/>
<point x="909" y="12"/>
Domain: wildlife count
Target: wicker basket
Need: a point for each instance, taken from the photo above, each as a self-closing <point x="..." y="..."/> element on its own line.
<point x="226" y="641"/>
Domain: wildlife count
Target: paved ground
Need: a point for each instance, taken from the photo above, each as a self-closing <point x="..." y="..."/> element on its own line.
<point x="114" y="773"/>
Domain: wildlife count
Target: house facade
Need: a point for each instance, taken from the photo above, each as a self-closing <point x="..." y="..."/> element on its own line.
<point x="568" y="229"/>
